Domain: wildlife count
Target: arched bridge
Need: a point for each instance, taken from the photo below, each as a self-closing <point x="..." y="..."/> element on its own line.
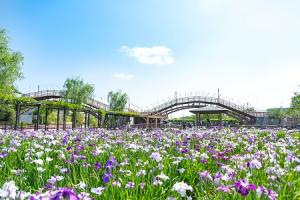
<point x="57" y="94"/>
<point x="190" y="102"/>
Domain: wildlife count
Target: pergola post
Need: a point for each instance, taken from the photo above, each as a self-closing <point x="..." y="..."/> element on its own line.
<point x="18" y="107"/>
<point x="57" y="120"/>
<point x="5" y="126"/>
<point x="37" y="118"/>
<point x="147" y="122"/>
<point x="64" y="118"/>
<point x="115" y="121"/>
<point x="106" y="120"/>
<point x="208" y="121"/>
<point x="88" y="120"/>
<point x="74" y="119"/>
<point x="99" y="120"/>
<point x="46" y="119"/>
<point x="85" y="119"/>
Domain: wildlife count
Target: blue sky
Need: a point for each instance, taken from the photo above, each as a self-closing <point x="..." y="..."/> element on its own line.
<point x="150" y="49"/>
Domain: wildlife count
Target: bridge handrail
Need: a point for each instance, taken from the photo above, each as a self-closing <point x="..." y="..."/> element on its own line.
<point x="196" y="98"/>
<point x="58" y="93"/>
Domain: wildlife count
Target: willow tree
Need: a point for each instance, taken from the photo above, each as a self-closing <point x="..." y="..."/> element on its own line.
<point x="10" y="72"/>
<point x="10" y="66"/>
<point x="117" y="100"/>
<point x="77" y="91"/>
<point x="277" y="113"/>
<point x="295" y="105"/>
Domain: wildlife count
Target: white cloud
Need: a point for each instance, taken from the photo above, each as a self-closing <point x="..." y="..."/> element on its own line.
<point x="156" y="55"/>
<point x="123" y="76"/>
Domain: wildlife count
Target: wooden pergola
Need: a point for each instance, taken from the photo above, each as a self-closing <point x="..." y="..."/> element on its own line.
<point x="107" y="119"/>
<point x="206" y="111"/>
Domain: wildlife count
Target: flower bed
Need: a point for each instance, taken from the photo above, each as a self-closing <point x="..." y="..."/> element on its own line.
<point x="158" y="164"/>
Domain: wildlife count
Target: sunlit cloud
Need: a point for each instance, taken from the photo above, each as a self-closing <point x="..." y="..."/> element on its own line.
<point x="156" y="55"/>
<point x="123" y="76"/>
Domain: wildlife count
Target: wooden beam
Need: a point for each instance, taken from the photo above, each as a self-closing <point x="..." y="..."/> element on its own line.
<point x="46" y="119"/>
<point x="57" y="120"/>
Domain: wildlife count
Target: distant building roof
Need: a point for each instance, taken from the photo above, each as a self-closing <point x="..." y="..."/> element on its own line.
<point x="209" y="110"/>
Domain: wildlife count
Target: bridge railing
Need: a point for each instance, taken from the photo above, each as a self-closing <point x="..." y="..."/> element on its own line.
<point x="195" y="99"/>
<point x="58" y="94"/>
<point x="97" y="104"/>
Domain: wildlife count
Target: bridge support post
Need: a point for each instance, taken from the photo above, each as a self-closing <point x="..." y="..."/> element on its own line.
<point x="156" y="125"/>
<point x="197" y="123"/>
<point x="199" y="118"/>
<point x="57" y="120"/>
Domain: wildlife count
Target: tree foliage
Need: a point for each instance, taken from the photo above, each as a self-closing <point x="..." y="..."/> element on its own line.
<point x="295" y="102"/>
<point x="278" y="113"/>
<point x="10" y="66"/>
<point x="117" y="100"/>
<point x="294" y="110"/>
<point x="77" y="90"/>
<point x="10" y="72"/>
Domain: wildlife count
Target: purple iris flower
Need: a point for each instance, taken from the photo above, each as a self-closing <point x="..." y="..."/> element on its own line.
<point x="243" y="191"/>
<point x="106" y="177"/>
<point x="178" y="143"/>
<point x="97" y="165"/>
<point x="185" y="150"/>
<point x="65" y="140"/>
<point x="69" y="148"/>
<point x="79" y="148"/>
<point x="111" y="163"/>
<point x="49" y="186"/>
<point x="65" y="193"/>
<point x="272" y="195"/>
<point x="197" y="147"/>
<point x="224" y="188"/>
<point x="243" y="187"/>
<point x="3" y="154"/>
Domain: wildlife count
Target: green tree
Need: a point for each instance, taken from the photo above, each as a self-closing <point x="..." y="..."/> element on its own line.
<point x="294" y="110"/>
<point x="117" y="100"/>
<point x="10" y="72"/>
<point x="77" y="90"/>
<point x="10" y="66"/>
<point x="52" y="116"/>
<point x="277" y="113"/>
<point x="250" y="109"/>
<point x="80" y="119"/>
<point x="295" y="102"/>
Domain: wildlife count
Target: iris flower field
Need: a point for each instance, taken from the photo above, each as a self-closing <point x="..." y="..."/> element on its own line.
<point x="215" y="163"/>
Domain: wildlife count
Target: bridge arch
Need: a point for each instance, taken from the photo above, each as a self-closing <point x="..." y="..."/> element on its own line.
<point x="178" y="104"/>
